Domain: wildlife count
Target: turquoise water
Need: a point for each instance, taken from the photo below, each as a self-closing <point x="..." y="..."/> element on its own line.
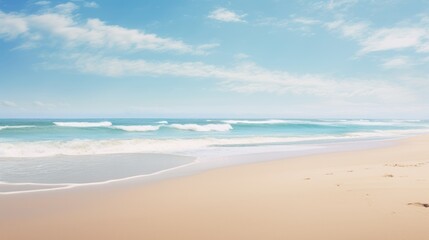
<point x="50" y="137"/>
<point x="63" y="153"/>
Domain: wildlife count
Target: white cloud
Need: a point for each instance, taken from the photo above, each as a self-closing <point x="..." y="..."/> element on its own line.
<point x="11" y="25"/>
<point x="394" y="39"/>
<point x="225" y="15"/>
<point x="90" y="4"/>
<point x="59" y="25"/>
<point x="246" y="78"/>
<point x="6" y="103"/>
<point x="396" y="62"/>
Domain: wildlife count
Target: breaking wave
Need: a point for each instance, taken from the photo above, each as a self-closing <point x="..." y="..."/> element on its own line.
<point x="111" y="146"/>
<point x="137" y="128"/>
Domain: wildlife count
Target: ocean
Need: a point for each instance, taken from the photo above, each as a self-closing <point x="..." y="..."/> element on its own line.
<point x="54" y="151"/>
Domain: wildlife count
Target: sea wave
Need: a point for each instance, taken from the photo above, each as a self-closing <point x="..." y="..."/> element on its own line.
<point x="203" y="127"/>
<point x="272" y="121"/>
<point x="333" y="122"/>
<point x="83" y="124"/>
<point x="137" y="128"/>
<point x="16" y="127"/>
<point x="371" y="123"/>
<point x="162" y="122"/>
<point x="174" y="146"/>
<point x="281" y="121"/>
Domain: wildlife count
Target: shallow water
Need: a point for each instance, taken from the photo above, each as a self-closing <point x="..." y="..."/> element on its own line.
<point x="86" y="169"/>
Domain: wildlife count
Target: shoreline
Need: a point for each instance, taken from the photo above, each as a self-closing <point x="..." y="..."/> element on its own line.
<point x="221" y="162"/>
<point x="377" y="193"/>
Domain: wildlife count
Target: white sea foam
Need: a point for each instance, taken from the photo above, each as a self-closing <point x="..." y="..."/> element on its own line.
<point x="174" y="146"/>
<point x="83" y="124"/>
<point x="137" y="128"/>
<point x="203" y="128"/>
<point x="16" y="127"/>
<point x="162" y="122"/>
<point x="93" y="147"/>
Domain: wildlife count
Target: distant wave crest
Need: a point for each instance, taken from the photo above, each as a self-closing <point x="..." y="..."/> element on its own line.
<point x="137" y="128"/>
<point x="272" y="121"/>
<point x="16" y="127"/>
<point x="83" y="124"/>
<point x="203" y="128"/>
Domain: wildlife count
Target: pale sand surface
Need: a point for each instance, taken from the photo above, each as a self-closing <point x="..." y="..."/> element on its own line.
<point x="349" y="195"/>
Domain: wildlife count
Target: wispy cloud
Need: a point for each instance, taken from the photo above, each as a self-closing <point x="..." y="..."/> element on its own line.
<point x="65" y="8"/>
<point x="335" y="5"/>
<point x="348" y="29"/>
<point x="225" y="15"/>
<point x="241" y="56"/>
<point x="396" y="62"/>
<point x="293" y="23"/>
<point x="43" y="104"/>
<point x="305" y="21"/>
<point x="396" y="38"/>
<point x="58" y="24"/>
<point x="42" y="3"/>
<point x="6" y="103"/>
<point x="247" y="78"/>
<point x="90" y="4"/>
<point x="412" y="35"/>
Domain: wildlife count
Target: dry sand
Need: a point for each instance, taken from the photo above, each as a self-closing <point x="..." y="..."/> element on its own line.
<point x="370" y="194"/>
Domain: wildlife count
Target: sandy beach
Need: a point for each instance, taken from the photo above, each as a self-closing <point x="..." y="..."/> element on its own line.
<point x="378" y="193"/>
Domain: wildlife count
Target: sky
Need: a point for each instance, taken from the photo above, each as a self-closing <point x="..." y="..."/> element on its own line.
<point x="214" y="59"/>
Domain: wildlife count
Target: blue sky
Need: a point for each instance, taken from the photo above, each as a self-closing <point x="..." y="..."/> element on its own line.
<point x="263" y="59"/>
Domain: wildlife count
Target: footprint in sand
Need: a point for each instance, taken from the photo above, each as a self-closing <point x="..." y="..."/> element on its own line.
<point x="406" y="165"/>
<point x="418" y="204"/>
